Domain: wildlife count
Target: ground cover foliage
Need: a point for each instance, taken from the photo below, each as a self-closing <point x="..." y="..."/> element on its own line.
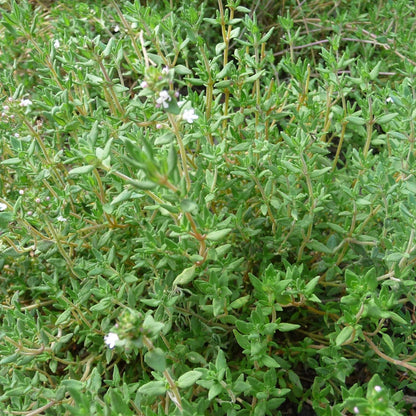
<point x="207" y="208"/>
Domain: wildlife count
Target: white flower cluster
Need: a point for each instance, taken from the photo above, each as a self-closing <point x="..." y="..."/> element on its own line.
<point x="111" y="339"/>
<point x="189" y="115"/>
<point x="164" y="99"/>
<point x="25" y="102"/>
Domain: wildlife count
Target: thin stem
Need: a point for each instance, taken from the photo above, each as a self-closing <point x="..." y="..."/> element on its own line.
<point x="128" y="27"/>
<point x="339" y="147"/>
<point x="109" y="84"/>
<point x="369" y="127"/>
<point x="387" y="358"/>
<point x="60" y="248"/>
<point x="182" y="151"/>
<point x="226" y="34"/>
<point x="174" y="389"/>
<point x="208" y="92"/>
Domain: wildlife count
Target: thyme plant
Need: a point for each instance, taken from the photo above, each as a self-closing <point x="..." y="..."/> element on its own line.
<point x="207" y="208"/>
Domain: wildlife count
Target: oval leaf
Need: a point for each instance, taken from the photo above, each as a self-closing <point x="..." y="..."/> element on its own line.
<point x="156" y="359"/>
<point x="153" y="388"/>
<point x="188" y="379"/>
<point x="344" y="335"/>
<point x="185" y="277"/>
<point x="218" y="235"/>
<point x="80" y="170"/>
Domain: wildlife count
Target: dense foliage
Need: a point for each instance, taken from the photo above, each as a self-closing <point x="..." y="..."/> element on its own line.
<point x="207" y="208"/>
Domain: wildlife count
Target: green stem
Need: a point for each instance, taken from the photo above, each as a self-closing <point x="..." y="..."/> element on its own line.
<point x="182" y="151"/>
<point x="369" y="127"/>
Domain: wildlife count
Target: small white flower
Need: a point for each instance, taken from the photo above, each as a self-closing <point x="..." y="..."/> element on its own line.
<point x="56" y="44"/>
<point x="25" y="102"/>
<point x="3" y="207"/>
<point x="116" y="28"/>
<point x="377" y="389"/>
<point x="17" y="135"/>
<point x="356" y="410"/>
<point x="165" y="70"/>
<point x="134" y="25"/>
<point x="144" y="84"/>
<point x="61" y="219"/>
<point x="389" y="100"/>
<point x="189" y="115"/>
<point x="110" y="339"/>
<point x="163" y="99"/>
<point x="21" y="192"/>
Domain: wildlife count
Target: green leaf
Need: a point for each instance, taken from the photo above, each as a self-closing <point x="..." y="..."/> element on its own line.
<point x="165" y="138"/>
<point x="220" y="362"/>
<point x="72" y="384"/>
<point x="218" y="235"/>
<point x="182" y="70"/>
<point x="173" y="107"/>
<point x="319" y="172"/>
<point x="286" y="327"/>
<point x="394" y="317"/>
<point x="225" y="72"/>
<point x="152" y="326"/>
<point x="9" y="359"/>
<point x="185" y="277"/>
<point x="142" y="184"/>
<point x="11" y="161"/>
<point x="156" y="359"/>
<point x="266" y="37"/>
<point x="80" y="170"/>
<point x="118" y="404"/>
<point x="153" y="388"/>
<point x="359" y="121"/>
<point x="172" y="159"/>
<point x="318" y="246"/>
<point x="188" y="379"/>
<point x="240" y="302"/>
<point x="188" y="206"/>
<point x="389" y="342"/>
<point x="5" y="219"/>
<point x="312" y="284"/>
<point x="103" y="305"/>
<point x="242" y="340"/>
<point x="63" y="317"/>
<point x="269" y="362"/>
<point x="95" y="80"/>
<point x="386" y="118"/>
<point x="214" y="391"/>
<point x="222" y="250"/>
<point x="109" y="47"/>
<point x="374" y="72"/>
<point x="102" y="154"/>
<point x="344" y="335"/>
<point x="123" y="196"/>
<point x="255" y="77"/>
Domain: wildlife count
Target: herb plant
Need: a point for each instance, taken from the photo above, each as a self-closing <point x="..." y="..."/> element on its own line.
<point x="207" y="208"/>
